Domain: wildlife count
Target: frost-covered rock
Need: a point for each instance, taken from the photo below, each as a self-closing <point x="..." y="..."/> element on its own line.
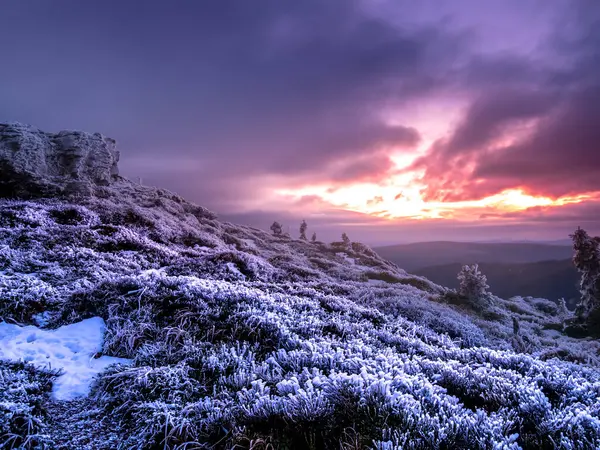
<point x="34" y="163"/>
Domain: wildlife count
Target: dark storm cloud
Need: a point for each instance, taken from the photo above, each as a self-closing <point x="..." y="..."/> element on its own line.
<point x="215" y="99"/>
<point x="447" y="164"/>
<point x="241" y="87"/>
<point x="561" y="158"/>
<point x="488" y="116"/>
<point x="337" y="143"/>
<point x="366" y="169"/>
<point x="561" y="153"/>
<point x="501" y="71"/>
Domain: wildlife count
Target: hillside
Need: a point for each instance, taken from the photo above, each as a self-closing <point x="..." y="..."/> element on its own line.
<point x="546" y="279"/>
<point x="419" y="255"/>
<point x="230" y="337"/>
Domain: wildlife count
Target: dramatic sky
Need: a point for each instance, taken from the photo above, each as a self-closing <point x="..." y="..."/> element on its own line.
<point x="391" y="120"/>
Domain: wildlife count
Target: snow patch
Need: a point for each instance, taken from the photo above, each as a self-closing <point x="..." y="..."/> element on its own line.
<point x="70" y="348"/>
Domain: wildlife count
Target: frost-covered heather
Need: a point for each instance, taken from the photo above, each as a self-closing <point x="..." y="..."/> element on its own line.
<point x="23" y="392"/>
<point x="242" y="339"/>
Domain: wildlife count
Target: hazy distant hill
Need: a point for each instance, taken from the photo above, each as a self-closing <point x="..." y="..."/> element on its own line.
<point x="412" y="257"/>
<point x="546" y="279"/>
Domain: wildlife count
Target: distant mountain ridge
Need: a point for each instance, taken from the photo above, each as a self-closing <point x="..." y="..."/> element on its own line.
<point x="413" y="257"/>
<point x="547" y="279"/>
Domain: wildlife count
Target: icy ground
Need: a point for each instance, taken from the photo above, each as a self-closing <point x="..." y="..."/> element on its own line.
<point x="71" y="348"/>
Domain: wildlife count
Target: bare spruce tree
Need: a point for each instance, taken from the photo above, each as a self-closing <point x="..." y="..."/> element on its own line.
<point x="587" y="261"/>
<point x="346" y="239"/>
<point x="563" y="311"/>
<point x="276" y="228"/>
<point x="303" y="227"/>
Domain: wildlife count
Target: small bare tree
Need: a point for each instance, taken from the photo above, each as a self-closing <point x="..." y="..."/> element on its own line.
<point x="314" y="237"/>
<point x="303" y="227"/>
<point x="587" y="261"/>
<point x="277" y="228"/>
<point x="346" y="239"/>
<point x="563" y="311"/>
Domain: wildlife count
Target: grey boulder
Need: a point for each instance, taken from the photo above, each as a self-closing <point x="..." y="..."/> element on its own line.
<point x="34" y="163"/>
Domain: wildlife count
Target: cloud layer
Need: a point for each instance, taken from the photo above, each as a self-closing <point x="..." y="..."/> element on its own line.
<point x="229" y="101"/>
<point x="539" y="132"/>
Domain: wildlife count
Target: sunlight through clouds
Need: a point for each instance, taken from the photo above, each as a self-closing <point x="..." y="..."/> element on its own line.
<point x="397" y="200"/>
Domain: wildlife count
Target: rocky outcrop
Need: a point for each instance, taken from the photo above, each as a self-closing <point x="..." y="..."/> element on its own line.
<point x="37" y="165"/>
<point x="34" y="163"/>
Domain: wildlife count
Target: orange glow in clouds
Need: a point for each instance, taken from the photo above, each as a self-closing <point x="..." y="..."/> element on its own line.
<point x="399" y="196"/>
<point x="393" y="202"/>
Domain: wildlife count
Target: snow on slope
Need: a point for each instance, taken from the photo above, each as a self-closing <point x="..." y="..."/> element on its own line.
<point x="71" y="348"/>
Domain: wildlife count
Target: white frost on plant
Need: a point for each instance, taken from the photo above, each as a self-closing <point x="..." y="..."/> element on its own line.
<point x="70" y="348"/>
<point x="293" y="334"/>
<point x="345" y="257"/>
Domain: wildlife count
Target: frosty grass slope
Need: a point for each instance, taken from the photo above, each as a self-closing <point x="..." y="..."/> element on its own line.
<point x="239" y="339"/>
<point x="71" y="348"/>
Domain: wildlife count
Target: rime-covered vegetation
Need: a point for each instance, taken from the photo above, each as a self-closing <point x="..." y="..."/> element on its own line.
<point x="241" y="338"/>
<point x="473" y="286"/>
<point x="587" y="261"/>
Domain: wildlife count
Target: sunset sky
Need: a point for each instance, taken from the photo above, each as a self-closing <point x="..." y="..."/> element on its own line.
<point x="391" y="120"/>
